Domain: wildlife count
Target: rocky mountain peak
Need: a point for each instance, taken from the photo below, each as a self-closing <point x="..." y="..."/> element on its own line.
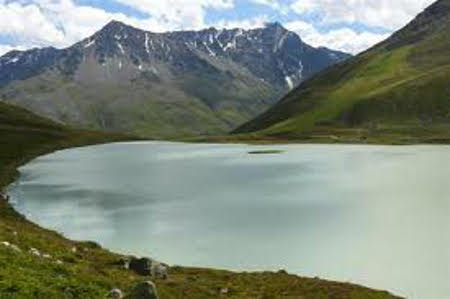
<point x="274" y="26"/>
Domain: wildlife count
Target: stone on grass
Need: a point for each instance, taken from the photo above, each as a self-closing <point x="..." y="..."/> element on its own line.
<point x="161" y="271"/>
<point x="144" y="290"/>
<point x="123" y="263"/>
<point x="142" y="266"/>
<point x="115" y="294"/>
<point x="35" y="252"/>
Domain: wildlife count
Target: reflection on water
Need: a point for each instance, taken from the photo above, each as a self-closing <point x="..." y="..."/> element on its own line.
<point x="375" y="215"/>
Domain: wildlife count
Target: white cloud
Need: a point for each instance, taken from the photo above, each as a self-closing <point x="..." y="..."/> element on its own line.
<point x="6" y="48"/>
<point x="60" y="23"/>
<point x="178" y="14"/>
<point x="344" y="39"/>
<point x="391" y="14"/>
<point x="274" y="4"/>
<point x="56" y="23"/>
<point x="252" y="23"/>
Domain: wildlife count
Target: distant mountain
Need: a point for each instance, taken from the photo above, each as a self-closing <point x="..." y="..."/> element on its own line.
<point x="163" y="85"/>
<point x="398" y="90"/>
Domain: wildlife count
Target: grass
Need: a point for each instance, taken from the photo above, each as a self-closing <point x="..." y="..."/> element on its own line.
<point x="90" y="271"/>
<point x="397" y="93"/>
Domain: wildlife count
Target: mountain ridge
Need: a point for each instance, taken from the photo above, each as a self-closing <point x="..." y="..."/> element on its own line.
<point x="170" y="84"/>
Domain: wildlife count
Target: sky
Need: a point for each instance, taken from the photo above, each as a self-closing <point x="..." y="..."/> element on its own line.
<point x="347" y="25"/>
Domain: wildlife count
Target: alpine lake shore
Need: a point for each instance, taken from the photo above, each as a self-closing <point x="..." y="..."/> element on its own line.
<point x="39" y="263"/>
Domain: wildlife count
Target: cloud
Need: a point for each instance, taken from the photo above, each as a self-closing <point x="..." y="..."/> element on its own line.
<point x="60" y="23"/>
<point x="343" y="39"/>
<point x="47" y="22"/>
<point x="274" y="4"/>
<point x="391" y="14"/>
<point x="178" y="14"/>
<point x="256" y="22"/>
<point x="6" y="48"/>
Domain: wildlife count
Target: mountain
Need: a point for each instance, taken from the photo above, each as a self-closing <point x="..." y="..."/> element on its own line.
<point x="163" y="85"/>
<point x="398" y="90"/>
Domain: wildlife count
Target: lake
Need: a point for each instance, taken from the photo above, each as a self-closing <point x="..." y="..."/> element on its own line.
<point x="372" y="215"/>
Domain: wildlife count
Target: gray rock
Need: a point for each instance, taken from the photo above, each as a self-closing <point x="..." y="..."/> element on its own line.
<point x="142" y="266"/>
<point x="123" y="263"/>
<point x="144" y="290"/>
<point x="115" y="294"/>
<point x="35" y="252"/>
<point x="160" y="271"/>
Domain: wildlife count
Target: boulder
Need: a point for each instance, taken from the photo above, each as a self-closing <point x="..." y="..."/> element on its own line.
<point x="160" y="271"/>
<point x="115" y="294"/>
<point x="144" y="290"/>
<point x="141" y="266"/>
<point x="123" y="263"/>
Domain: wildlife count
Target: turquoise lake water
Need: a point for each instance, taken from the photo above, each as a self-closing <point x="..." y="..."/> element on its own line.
<point x="372" y="215"/>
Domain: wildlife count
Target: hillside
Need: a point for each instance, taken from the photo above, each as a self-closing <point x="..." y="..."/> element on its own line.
<point x="89" y="271"/>
<point x="396" y="92"/>
<point x="164" y="85"/>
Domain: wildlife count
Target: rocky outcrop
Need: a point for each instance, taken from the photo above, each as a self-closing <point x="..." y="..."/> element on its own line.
<point x="141" y="266"/>
<point x="144" y="290"/>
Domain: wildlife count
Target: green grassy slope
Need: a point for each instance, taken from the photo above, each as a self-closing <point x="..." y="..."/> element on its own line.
<point x="398" y="91"/>
<point x="89" y="272"/>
